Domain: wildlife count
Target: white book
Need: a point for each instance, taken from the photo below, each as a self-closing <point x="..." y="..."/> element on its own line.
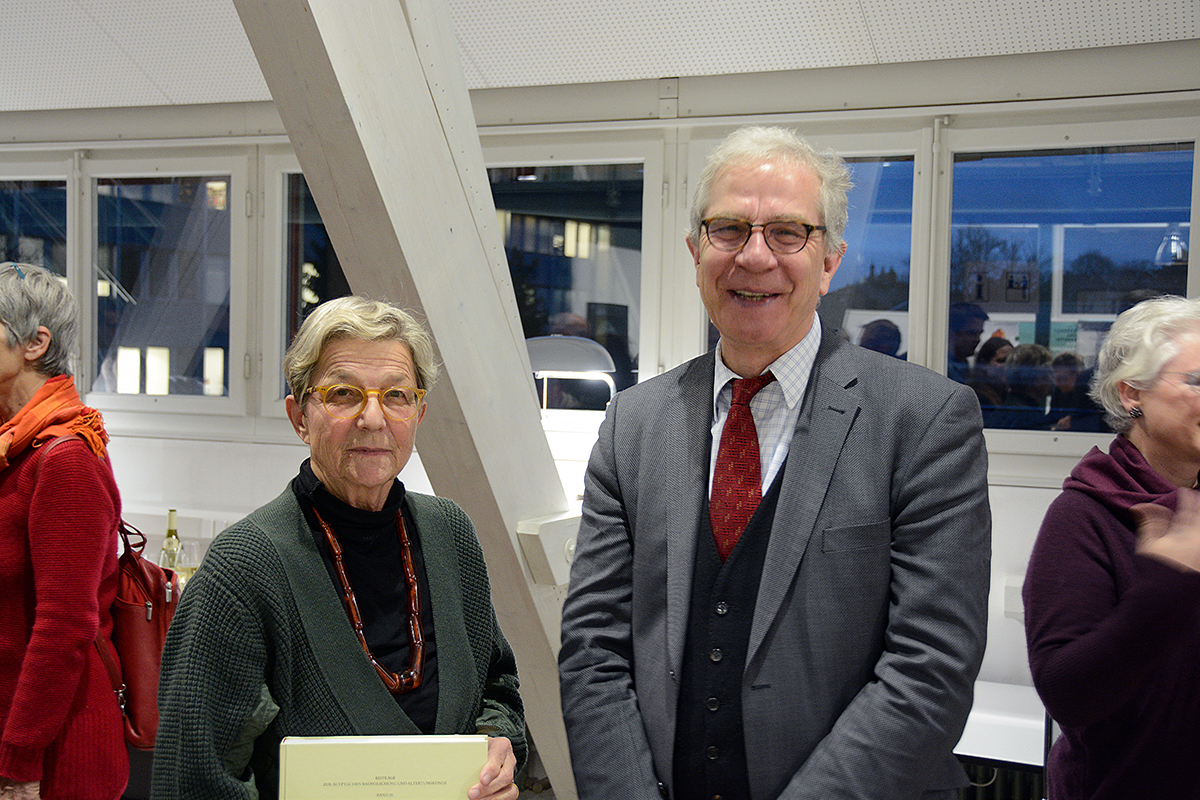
<point x="369" y="767"/>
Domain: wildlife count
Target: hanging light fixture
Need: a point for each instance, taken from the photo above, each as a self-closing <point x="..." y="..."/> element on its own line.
<point x="1173" y="251"/>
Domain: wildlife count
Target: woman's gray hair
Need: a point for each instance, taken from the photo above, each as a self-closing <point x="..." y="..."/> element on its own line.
<point x="33" y="297"/>
<point x="756" y="145"/>
<point x="1138" y="345"/>
<point x="355" y="317"/>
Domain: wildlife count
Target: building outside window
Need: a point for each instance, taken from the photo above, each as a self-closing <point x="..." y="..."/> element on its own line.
<point x="572" y="236"/>
<point x="313" y="271"/>
<point x="33" y="223"/>
<point x="162" y="260"/>
<point x="573" y="239"/>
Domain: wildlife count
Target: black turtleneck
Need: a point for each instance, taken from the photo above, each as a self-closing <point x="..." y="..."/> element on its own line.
<point x="371" y="555"/>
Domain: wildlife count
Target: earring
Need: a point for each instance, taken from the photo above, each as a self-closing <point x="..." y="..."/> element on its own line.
<point x="1135" y="412"/>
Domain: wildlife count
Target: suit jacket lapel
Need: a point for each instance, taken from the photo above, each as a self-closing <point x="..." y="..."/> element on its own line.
<point x="827" y="412"/>
<point x="685" y="443"/>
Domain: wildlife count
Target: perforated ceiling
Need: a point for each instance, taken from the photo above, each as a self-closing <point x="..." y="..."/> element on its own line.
<point x="529" y="42"/>
<point x="105" y="53"/>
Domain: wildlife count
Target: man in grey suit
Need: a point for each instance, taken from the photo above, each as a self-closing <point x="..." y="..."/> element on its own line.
<point x="832" y="652"/>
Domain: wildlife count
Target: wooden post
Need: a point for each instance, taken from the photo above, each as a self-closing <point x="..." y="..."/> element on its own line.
<point x="375" y="103"/>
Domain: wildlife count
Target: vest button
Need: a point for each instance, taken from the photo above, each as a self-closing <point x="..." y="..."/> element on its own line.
<point x="715" y="654"/>
<point x="712" y="753"/>
<point x="713" y="704"/>
<point x="722" y="608"/>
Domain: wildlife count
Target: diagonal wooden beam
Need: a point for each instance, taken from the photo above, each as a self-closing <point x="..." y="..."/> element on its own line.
<point x="377" y="110"/>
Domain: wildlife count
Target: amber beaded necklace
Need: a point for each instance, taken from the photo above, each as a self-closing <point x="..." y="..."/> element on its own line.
<point x="411" y="678"/>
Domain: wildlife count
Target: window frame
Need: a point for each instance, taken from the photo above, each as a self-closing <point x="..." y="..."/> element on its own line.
<point x="1041" y="458"/>
<point x="598" y="145"/>
<point x="239" y="164"/>
<point x="41" y="166"/>
<point x="278" y="165"/>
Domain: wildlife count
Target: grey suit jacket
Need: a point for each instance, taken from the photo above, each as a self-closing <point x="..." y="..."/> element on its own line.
<point x="870" y="620"/>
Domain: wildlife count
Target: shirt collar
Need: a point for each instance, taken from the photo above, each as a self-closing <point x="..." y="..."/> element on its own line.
<point x="792" y="369"/>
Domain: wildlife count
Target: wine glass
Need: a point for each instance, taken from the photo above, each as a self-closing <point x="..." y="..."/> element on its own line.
<point x="186" y="561"/>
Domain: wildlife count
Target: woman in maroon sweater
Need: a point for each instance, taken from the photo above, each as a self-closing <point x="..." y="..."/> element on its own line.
<point x="1112" y="593"/>
<point x="61" y="733"/>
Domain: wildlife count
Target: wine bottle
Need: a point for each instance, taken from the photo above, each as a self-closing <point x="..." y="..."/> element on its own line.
<point x="168" y="557"/>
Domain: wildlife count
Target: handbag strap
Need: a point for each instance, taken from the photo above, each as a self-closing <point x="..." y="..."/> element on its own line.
<point x="103" y="646"/>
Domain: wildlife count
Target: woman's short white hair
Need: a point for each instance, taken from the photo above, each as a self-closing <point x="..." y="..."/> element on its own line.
<point x="354" y="317"/>
<point x="1138" y="345"/>
<point x="33" y="297"/>
<point x="756" y="145"/>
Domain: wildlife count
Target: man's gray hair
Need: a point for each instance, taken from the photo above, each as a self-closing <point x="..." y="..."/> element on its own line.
<point x="756" y="145"/>
<point x="33" y="297"/>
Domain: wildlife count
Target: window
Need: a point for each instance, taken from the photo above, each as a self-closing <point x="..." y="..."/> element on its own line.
<point x="164" y="271"/>
<point x="163" y="285"/>
<point x="314" y="274"/>
<point x="868" y="297"/>
<point x="1047" y="247"/>
<point x="33" y="223"/>
<point x="573" y="238"/>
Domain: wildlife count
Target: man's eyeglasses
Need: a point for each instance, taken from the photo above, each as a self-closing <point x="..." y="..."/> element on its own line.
<point x="344" y="401"/>
<point x="784" y="237"/>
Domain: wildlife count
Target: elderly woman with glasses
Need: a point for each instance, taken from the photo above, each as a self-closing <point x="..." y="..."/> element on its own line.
<point x="61" y="733"/>
<point x="1112" y="594"/>
<point x="347" y="605"/>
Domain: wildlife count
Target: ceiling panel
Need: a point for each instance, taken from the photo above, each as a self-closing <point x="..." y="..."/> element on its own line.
<point x="920" y="30"/>
<point x="106" y="53"/>
<point x="113" y="53"/>
<point x="534" y="42"/>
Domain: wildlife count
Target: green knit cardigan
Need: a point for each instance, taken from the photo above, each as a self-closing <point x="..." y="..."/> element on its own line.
<point x="261" y="648"/>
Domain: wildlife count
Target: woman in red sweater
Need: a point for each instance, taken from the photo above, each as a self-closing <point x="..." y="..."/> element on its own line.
<point x="61" y="733"/>
<point x="1112" y="593"/>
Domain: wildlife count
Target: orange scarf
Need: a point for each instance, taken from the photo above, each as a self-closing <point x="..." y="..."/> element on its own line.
<point x="55" y="410"/>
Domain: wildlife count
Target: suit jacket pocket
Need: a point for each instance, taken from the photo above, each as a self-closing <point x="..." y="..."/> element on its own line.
<point x="857" y="537"/>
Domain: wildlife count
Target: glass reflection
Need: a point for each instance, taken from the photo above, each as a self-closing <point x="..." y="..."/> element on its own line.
<point x="33" y="223"/>
<point x="573" y="238"/>
<point x="162" y="254"/>
<point x="868" y="298"/>
<point x="1047" y="248"/>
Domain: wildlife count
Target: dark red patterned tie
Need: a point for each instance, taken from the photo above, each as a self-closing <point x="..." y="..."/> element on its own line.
<point x="737" y="479"/>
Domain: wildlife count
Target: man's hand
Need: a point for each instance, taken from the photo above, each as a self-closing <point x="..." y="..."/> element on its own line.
<point x="1174" y="540"/>
<point x="496" y="778"/>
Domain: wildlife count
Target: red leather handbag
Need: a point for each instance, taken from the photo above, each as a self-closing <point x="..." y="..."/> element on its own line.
<point x="147" y="596"/>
